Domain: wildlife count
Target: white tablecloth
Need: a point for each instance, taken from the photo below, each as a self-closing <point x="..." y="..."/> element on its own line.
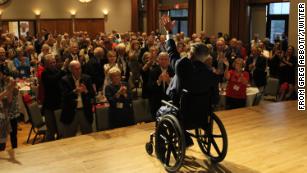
<point x="251" y="93"/>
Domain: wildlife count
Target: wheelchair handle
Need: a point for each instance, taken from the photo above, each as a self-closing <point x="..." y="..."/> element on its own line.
<point x="169" y="104"/>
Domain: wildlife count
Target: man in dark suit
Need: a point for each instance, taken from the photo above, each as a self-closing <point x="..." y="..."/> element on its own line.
<point x="77" y="97"/>
<point x="94" y="68"/>
<point x="194" y="75"/>
<point x="158" y="81"/>
<point x="232" y="52"/>
<point x="72" y="54"/>
<point x="51" y="78"/>
<point x="256" y="66"/>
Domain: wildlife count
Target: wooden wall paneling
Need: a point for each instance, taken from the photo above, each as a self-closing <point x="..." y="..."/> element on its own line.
<point x="32" y="28"/>
<point x="152" y="15"/>
<point x="48" y="24"/>
<point x="4" y="26"/>
<point x="239" y="16"/>
<point x="134" y="16"/>
<point x="64" y="25"/>
<point x="96" y="26"/>
<point x="192" y="17"/>
<point x="56" y="26"/>
<point x="92" y="26"/>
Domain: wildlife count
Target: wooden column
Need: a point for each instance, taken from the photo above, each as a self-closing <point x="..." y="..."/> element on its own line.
<point x="192" y="17"/>
<point x="134" y="16"/>
<point x="38" y="23"/>
<point x="152" y="15"/>
<point x="239" y="19"/>
<point x="73" y="22"/>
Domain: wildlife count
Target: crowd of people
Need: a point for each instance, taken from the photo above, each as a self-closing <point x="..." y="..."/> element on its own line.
<point x="73" y="69"/>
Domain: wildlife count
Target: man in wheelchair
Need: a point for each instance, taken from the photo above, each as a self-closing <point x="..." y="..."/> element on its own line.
<point x="194" y="89"/>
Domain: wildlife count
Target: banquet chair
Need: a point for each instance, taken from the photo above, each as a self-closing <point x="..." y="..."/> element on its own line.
<point x="257" y="99"/>
<point x="141" y="110"/>
<point x="38" y="125"/>
<point x="272" y="87"/>
<point x="102" y="118"/>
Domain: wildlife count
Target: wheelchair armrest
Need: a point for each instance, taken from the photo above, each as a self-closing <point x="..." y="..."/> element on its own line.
<point x="169" y="103"/>
<point x="185" y="91"/>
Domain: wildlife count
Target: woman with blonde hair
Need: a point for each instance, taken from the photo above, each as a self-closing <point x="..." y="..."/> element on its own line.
<point x="120" y="100"/>
<point x="112" y="57"/>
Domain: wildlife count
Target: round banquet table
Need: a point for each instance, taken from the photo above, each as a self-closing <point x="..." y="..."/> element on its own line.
<point x="251" y="93"/>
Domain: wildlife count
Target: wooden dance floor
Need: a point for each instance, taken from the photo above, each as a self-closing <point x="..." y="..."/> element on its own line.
<point x="268" y="138"/>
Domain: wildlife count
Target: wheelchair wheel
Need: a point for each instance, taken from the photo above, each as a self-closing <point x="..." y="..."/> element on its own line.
<point x="213" y="141"/>
<point x="170" y="143"/>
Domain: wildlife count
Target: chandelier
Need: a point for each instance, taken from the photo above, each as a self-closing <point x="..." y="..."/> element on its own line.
<point x="85" y="1"/>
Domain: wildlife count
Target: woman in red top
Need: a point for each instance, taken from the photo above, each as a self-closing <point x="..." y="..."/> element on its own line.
<point x="237" y="84"/>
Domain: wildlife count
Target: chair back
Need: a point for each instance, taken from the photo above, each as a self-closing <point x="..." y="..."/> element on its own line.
<point x="102" y="119"/>
<point x="36" y="115"/>
<point x="141" y="110"/>
<point x="195" y="109"/>
<point x="257" y="99"/>
<point x="272" y="87"/>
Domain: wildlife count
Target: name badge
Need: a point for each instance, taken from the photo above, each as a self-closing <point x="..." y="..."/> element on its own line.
<point x="22" y="72"/>
<point x="236" y="87"/>
<point x="119" y="105"/>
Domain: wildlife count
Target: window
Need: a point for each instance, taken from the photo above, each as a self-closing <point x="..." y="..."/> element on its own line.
<point x="181" y="18"/>
<point x="179" y="13"/>
<point x="277" y="20"/>
<point x="279" y="8"/>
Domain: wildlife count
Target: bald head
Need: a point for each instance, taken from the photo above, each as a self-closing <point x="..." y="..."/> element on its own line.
<point x="75" y="69"/>
<point x="163" y="60"/>
<point x="2" y="52"/>
<point x="98" y="52"/>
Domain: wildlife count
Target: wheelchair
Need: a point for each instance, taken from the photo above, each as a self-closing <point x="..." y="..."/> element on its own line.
<point x="168" y="139"/>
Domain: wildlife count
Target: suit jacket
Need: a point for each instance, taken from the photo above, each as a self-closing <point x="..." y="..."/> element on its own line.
<point x="94" y="68"/>
<point x="51" y="86"/>
<point x="202" y="87"/>
<point x="259" y="74"/>
<point x="157" y="92"/>
<point x="172" y="52"/>
<point x="69" y="103"/>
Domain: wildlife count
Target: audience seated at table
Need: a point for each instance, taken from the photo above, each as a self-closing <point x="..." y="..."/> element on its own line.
<point x="22" y="63"/>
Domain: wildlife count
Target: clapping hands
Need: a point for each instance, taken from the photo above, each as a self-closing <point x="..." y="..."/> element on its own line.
<point x="164" y="77"/>
<point x="81" y="88"/>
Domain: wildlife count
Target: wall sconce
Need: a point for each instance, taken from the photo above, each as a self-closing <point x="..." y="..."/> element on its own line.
<point x="105" y="14"/>
<point x="73" y="13"/>
<point x="37" y="13"/>
<point x="1" y="14"/>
